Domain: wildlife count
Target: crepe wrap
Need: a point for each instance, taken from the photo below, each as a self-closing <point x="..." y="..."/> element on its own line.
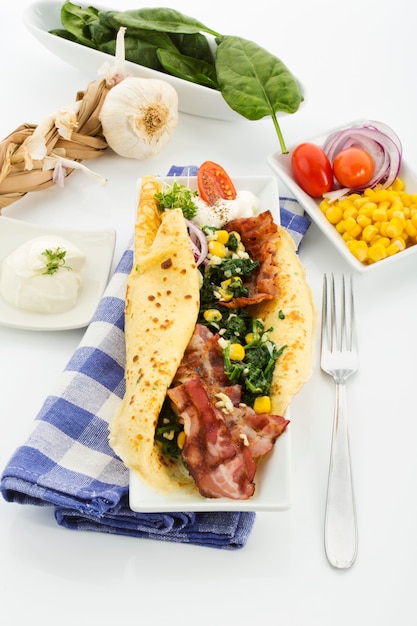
<point x="162" y="302"/>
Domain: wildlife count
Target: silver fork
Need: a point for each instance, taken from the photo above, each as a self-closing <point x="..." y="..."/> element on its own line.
<point x="339" y="359"/>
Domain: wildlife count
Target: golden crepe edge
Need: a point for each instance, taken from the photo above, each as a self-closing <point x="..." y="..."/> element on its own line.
<point x="162" y="303"/>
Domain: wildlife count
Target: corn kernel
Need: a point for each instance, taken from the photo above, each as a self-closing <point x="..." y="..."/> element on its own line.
<point x="212" y="315"/>
<point x="362" y="220"/>
<point x="377" y="252"/>
<point x="360" y="201"/>
<point x="181" y="439"/>
<point x="368" y="232"/>
<point x="410" y="229"/>
<point x="394" y="247"/>
<point x="366" y="211"/>
<point x="324" y="205"/>
<point x="359" y="249"/>
<point x="222" y="236"/>
<point x="249" y="338"/>
<point x="217" y="249"/>
<point x="334" y="214"/>
<point x="349" y="223"/>
<point x="369" y="206"/>
<point x="356" y="231"/>
<point x="379" y="214"/>
<point x="237" y="352"/>
<point x="384" y="241"/>
<point x="400" y="214"/>
<point x="398" y="185"/>
<point x="350" y="211"/>
<point x="262" y="404"/>
<point x="394" y="228"/>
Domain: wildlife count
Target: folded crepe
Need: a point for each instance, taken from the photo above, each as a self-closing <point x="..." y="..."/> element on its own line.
<point x="162" y="305"/>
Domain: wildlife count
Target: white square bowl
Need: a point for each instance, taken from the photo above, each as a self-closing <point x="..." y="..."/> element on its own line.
<point x="281" y="165"/>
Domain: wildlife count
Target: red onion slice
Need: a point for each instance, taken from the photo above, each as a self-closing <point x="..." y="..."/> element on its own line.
<point x="379" y="140"/>
<point x="198" y="240"/>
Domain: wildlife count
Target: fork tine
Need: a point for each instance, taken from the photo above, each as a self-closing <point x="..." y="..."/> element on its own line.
<point x="338" y="316"/>
<point x="348" y="315"/>
<point x="326" y="340"/>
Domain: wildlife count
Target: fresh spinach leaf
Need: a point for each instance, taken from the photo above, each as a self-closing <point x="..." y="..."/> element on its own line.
<point x="160" y="19"/>
<point x="255" y="83"/>
<point x="76" y="21"/>
<point x="136" y="51"/>
<point x="188" y="68"/>
<point x="101" y="34"/>
<point x="193" y="45"/>
<point x="64" y="34"/>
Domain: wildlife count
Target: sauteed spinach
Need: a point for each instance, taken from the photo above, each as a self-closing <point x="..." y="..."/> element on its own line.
<point x="253" y="82"/>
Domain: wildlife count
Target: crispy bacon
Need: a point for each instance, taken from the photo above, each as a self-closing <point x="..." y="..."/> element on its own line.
<point x="223" y="436"/>
<point x="203" y="357"/>
<point x="219" y="466"/>
<point x="260" y="236"/>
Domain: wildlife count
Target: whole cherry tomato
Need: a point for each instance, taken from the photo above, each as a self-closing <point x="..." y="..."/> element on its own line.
<point x="353" y="167"/>
<point x="312" y="169"/>
<point x="214" y="183"/>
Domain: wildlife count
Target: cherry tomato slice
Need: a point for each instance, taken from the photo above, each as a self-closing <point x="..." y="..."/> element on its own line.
<point x="312" y="169"/>
<point x="214" y="183"/>
<point x="353" y="167"/>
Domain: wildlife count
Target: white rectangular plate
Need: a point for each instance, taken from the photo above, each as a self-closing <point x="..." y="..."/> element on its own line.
<point x="272" y="491"/>
<point x="98" y="247"/>
<point x="281" y="165"/>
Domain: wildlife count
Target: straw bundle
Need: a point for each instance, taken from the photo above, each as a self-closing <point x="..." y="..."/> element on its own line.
<point x="34" y="157"/>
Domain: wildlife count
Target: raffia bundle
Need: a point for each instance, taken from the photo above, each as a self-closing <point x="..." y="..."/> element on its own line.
<point x="34" y="157"/>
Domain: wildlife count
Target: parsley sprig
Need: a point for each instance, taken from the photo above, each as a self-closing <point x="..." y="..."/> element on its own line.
<point x="55" y="259"/>
<point x="178" y="197"/>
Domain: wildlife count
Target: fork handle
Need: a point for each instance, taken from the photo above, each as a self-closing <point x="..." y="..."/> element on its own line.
<point x="340" y="528"/>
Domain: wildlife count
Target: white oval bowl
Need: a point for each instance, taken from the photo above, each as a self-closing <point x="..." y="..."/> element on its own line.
<point x="45" y="15"/>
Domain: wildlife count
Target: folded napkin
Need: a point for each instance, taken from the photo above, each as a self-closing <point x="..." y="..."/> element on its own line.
<point x="66" y="461"/>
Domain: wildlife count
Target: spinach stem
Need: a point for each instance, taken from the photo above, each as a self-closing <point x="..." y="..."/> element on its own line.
<point x="284" y="149"/>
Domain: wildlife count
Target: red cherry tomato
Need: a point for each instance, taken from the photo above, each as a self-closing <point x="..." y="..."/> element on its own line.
<point x="214" y="183"/>
<point x="353" y="167"/>
<point x="312" y="169"/>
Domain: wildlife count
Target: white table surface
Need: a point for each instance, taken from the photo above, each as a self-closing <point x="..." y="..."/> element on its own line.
<point x="355" y="59"/>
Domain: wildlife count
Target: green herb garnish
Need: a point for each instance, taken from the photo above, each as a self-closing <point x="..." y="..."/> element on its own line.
<point x="55" y="259"/>
<point x="178" y="197"/>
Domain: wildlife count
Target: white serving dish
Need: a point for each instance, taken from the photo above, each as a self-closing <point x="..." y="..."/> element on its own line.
<point x="272" y="492"/>
<point x="98" y="247"/>
<point x="281" y="165"/>
<point x="42" y="16"/>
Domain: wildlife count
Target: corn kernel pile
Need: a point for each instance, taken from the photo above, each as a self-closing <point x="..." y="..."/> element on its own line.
<point x="377" y="223"/>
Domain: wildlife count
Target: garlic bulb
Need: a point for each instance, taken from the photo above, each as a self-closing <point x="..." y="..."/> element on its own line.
<point x="139" y="116"/>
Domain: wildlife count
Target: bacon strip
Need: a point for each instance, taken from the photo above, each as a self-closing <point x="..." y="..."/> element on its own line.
<point x="260" y="236"/>
<point x="221" y="445"/>
<point x="219" y="466"/>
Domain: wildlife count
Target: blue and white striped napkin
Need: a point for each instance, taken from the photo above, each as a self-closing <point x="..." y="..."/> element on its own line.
<point x="66" y="461"/>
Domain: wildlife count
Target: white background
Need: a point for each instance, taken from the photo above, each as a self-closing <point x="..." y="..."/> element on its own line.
<point x="355" y="60"/>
